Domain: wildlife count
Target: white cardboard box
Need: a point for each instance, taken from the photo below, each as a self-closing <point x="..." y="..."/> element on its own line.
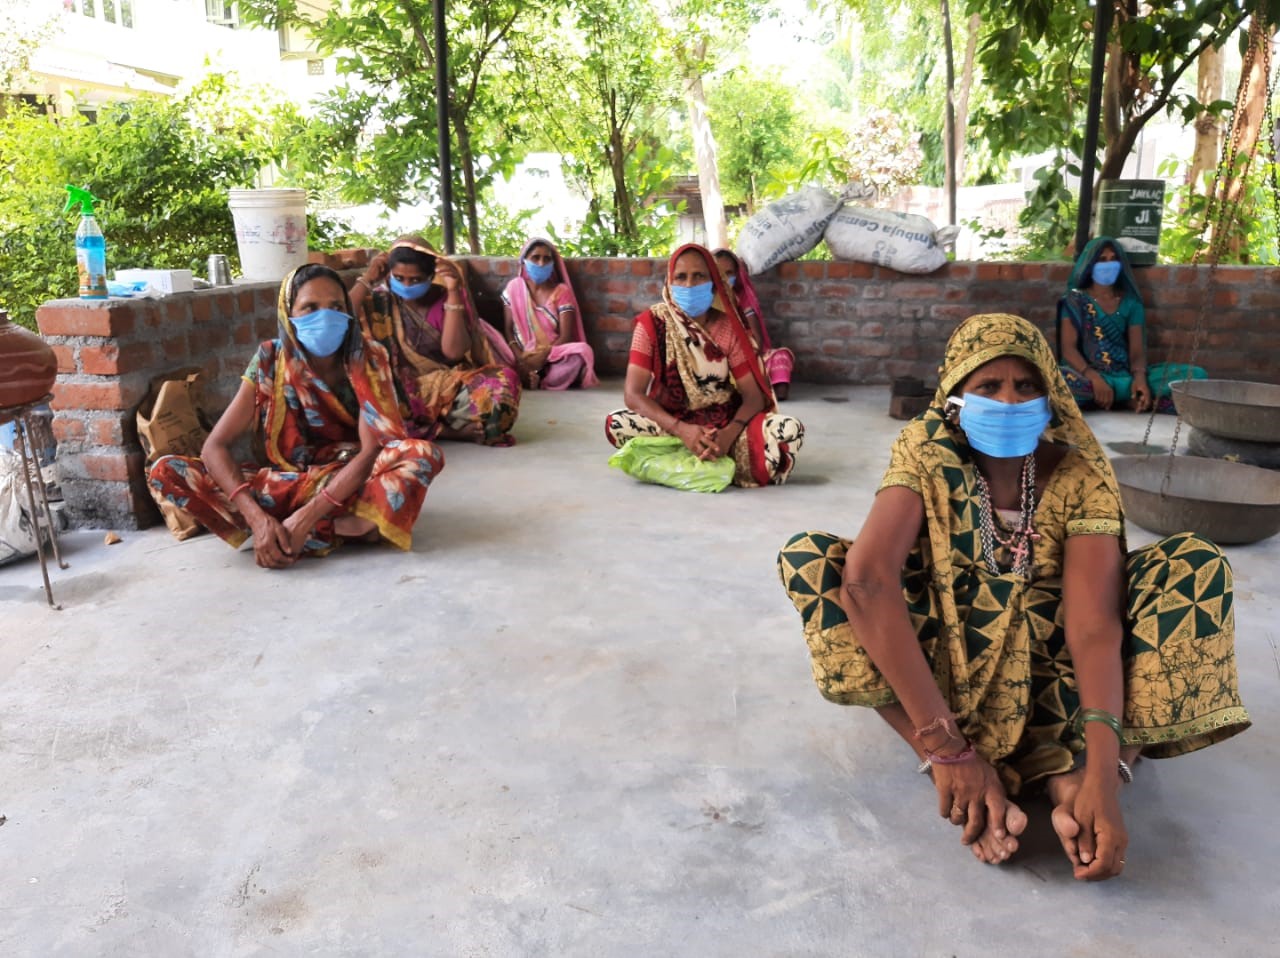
<point x="165" y="280"/>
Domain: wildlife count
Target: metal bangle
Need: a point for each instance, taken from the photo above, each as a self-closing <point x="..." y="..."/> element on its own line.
<point x="1126" y="773"/>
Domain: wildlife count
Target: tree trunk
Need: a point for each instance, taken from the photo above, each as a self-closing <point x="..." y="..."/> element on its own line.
<point x="963" y="88"/>
<point x="1246" y="125"/>
<point x="1209" y="84"/>
<point x="704" y="147"/>
<point x="624" y="216"/>
<point x="466" y="160"/>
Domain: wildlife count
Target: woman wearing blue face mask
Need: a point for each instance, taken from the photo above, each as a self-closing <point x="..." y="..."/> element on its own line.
<point x="1102" y="336"/>
<point x="455" y="374"/>
<point x="339" y="463"/>
<point x="544" y="323"/>
<point x="694" y="373"/>
<point x="989" y="612"/>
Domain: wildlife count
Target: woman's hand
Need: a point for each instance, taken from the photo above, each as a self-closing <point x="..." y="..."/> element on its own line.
<point x="1103" y="394"/>
<point x="377" y="270"/>
<point x="271" y="543"/>
<point x="298" y="528"/>
<point x="1142" y="399"/>
<point x="529" y="364"/>
<point x="1097" y="851"/>
<point x="448" y="275"/>
<point x="699" y="440"/>
<point x="970" y="794"/>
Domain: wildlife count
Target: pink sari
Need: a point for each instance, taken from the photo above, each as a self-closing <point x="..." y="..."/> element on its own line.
<point x="568" y="363"/>
<point x="777" y="362"/>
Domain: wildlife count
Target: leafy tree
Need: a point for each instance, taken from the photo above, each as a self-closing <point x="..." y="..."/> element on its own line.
<point x="759" y="129"/>
<point x="377" y="135"/>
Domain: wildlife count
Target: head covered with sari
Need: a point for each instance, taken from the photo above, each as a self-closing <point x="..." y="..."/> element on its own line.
<point x="988" y="336"/>
<point x="301" y="416"/>
<point x="724" y="303"/>
<point x="745" y="291"/>
<point x="1082" y="272"/>
<point x="521" y="300"/>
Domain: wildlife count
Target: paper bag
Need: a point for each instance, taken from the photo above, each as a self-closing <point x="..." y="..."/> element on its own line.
<point x="171" y="422"/>
<point x="170" y="419"/>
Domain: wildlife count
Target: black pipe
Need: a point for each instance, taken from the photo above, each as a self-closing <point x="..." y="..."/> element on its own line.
<point x="442" y="127"/>
<point x="1089" y="162"/>
<point x="949" y="116"/>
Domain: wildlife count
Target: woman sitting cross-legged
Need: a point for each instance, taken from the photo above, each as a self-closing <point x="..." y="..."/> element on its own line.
<point x="454" y="373"/>
<point x="693" y="373"/>
<point x="544" y="323"/>
<point x="321" y="401"/>
<point x="1102" y="336"/>
<point x="989" y="611"/>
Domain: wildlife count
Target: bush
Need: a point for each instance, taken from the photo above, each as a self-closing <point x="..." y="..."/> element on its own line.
<point x="160" y="169"/>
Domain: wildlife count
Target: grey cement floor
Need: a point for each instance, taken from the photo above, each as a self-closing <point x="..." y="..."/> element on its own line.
<point x="576" y="720"/>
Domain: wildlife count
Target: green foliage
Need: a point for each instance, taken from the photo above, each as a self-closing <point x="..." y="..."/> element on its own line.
<point x="160" y="168"/>
<point x="758" y="129"/>
<point x="1250" y="235"/>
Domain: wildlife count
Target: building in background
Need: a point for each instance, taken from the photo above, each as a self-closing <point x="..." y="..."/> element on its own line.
<point x="102" y="50"/>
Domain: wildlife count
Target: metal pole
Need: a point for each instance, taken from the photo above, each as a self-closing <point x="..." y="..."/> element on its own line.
<point x="1088" y="162"/>
<point x="949" y="117"/>
<point x="442" y="126"/>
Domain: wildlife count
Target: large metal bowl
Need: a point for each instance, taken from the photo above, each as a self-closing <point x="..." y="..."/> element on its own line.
<point x="1230" y="408"/>
<point x="1226" y="502"/>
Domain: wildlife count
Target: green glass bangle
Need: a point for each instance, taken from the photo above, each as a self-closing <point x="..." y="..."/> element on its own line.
<point x="1099" y="715"/>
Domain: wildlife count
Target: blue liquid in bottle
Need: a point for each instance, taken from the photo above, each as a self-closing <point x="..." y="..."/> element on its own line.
<point x="91" y="259"/>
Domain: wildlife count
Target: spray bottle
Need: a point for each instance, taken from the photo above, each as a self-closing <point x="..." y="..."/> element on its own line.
<point x="91" y="245"/>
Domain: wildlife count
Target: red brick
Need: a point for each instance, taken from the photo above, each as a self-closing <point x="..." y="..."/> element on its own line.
<point x="175" y="347"/>
<point x="202" y="308"/>
<point x="813" y="270"/>
<point x="594" y="267"/>
<point x="108" y="395"/>
<point x="985" y="271"/>
<point x="107" y="432"/>
<point x="112" y="467"/>
<point x="918" y="290"/>
<point x="618" y="305"/>
<point x="642" y="267"/>
<point x="957" y="272"/>
<point x="178" y="311"/>
<point x="833" y="347"/>
<point x="66" y="358"/>
<point x="265" y="301"/>
<point x="1226" y="297"/>
<point x="244" y="301"/>
<point x="68" y="429"/>
<point x="242" y="334"/>
<point x="70" y="318"/>
<point x="834" y="291"/>
<point x="619" y="286"/>
<point x="112" y="360"/>
<point x="845" y="270"/>
<point x="266" y="327"/>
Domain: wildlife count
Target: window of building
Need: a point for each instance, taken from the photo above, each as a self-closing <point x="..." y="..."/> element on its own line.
<point x="119" y="12"/>
<point x="221" y="12"/>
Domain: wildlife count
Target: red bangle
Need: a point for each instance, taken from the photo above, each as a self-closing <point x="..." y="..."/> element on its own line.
<point x="332" y="501"/>
<point x="239" y="489"/>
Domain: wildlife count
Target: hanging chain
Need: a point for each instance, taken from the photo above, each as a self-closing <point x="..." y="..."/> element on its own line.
<point x="1220" y="216"/>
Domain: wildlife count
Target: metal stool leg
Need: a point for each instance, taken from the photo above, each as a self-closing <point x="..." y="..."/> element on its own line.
<point x="53" y="525"/>
<point x="20" y="436"/>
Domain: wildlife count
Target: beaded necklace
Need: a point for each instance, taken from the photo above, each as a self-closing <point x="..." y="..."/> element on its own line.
<point x="1019" y="542"/>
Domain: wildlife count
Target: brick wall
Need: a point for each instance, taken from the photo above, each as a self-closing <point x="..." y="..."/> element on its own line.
<point x="846" y="322"/>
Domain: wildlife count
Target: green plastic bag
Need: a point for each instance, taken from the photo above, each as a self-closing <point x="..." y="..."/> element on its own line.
<point x="666" y="461"/>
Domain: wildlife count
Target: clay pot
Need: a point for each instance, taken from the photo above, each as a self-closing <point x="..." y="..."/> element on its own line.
<point x="28" y="367"/>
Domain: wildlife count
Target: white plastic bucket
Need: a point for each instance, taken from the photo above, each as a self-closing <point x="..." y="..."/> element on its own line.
<point x="271" y="232"/>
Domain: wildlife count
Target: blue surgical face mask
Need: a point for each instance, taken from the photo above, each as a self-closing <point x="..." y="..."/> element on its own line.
<point x="1004" y="430"/>
<point x="539" y="273"/>
<point x="407" y="291"/>
<point x="1106" y="272"/>
<point x="693" y="300"/>
<point x="733" y="281"/>
<point x="321" y="333"/>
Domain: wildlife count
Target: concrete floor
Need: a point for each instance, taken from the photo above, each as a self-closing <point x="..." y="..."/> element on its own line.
<point x="576" y="720"/>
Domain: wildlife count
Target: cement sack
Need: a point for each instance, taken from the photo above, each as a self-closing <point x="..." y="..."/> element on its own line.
<point x="17" y="530"/>
<point x="787" y="228"/>
<point x="906" y="242"/>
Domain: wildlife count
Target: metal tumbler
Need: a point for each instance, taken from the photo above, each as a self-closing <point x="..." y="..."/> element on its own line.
<point x="219" y="270"/>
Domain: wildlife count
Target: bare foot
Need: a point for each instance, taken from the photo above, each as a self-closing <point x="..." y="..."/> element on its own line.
<point x="354" y="527"/>
<point x="994" y="848"/>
